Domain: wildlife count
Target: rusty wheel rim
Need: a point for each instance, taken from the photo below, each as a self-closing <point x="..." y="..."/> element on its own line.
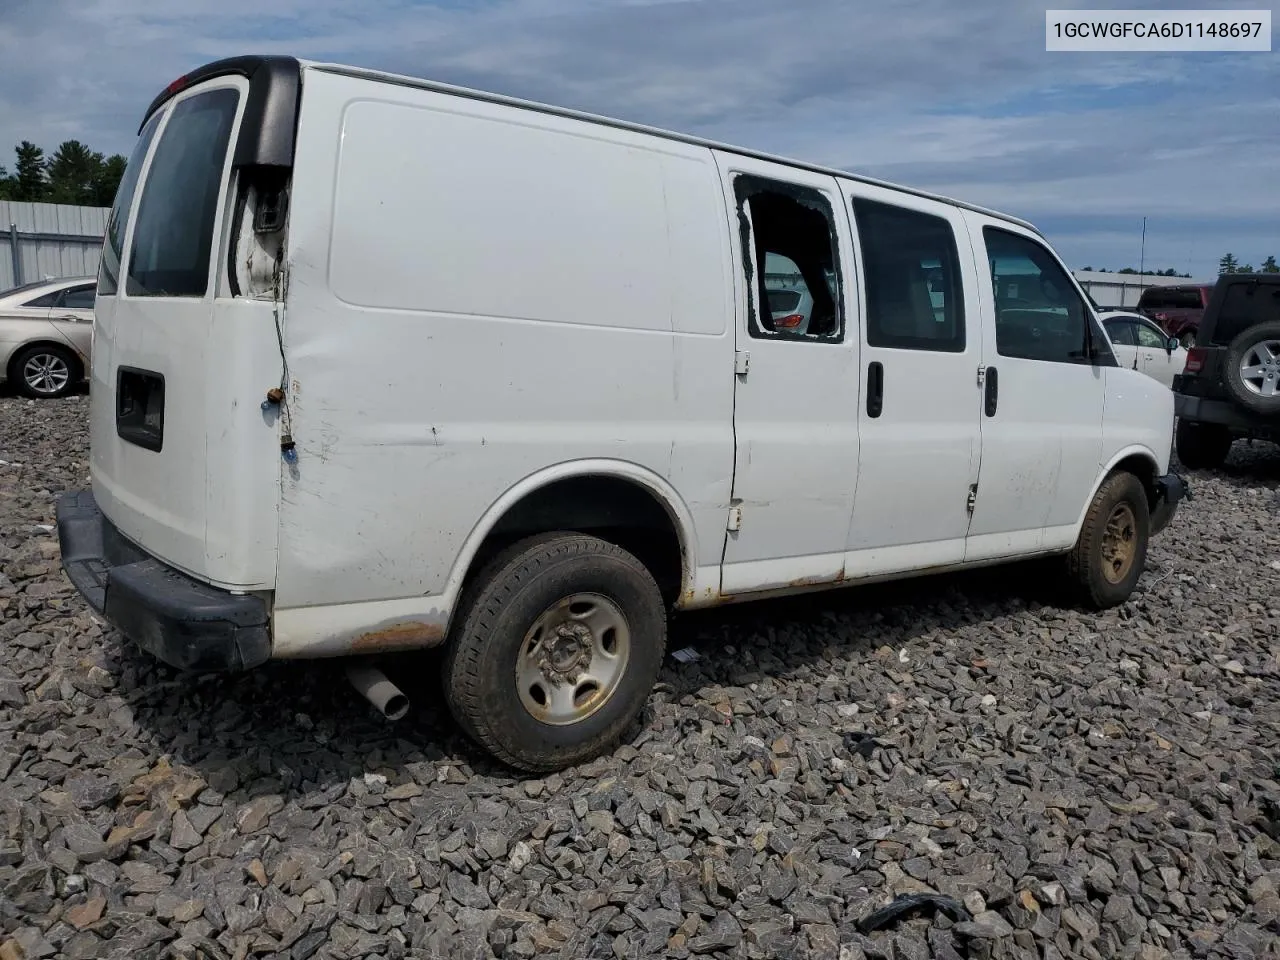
<point x="573" y="658"/>
<point x="1119" y="543"/>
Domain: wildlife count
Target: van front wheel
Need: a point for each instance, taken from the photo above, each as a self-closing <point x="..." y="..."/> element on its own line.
<point x="1111" y="552"/>
<point x="560" y="641"/>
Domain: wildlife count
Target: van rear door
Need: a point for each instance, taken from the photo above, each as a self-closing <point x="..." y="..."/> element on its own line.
<point x="183" y="460"/>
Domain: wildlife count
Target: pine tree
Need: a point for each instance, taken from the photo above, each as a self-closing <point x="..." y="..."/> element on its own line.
<point x="73" y="171"/>
<point x="1228" y="264"/>
<point x="30" y="183"/>
<point x="107" y="181"/>
<point x="1269" y="265"/>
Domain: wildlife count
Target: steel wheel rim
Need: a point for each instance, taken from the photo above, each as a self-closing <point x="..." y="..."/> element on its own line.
<point x="572" y="659"/>
<point x="1119" y="543"/>
<point x="46" y="373"/>
<point x="1260" y="368"/>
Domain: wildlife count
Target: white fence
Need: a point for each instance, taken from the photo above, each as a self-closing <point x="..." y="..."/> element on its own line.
<point x="39" y="240"/>
<point x="1124" y="289"/>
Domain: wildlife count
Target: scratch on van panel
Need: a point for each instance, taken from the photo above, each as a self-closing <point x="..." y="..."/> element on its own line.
<point x="675" y="368"/>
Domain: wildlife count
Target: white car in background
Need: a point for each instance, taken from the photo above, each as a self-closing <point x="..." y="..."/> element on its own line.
<point x="790" y="309"/>
<point x="46" y="335"/>
<point x="1141" y="345"/>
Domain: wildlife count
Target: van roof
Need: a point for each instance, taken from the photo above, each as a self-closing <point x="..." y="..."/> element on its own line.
<point x="437" y="86"/>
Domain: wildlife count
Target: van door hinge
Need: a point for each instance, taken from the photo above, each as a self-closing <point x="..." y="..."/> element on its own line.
<point x="982" y="376"/>
<point x="735" y="519"/>
<point x="973" y="497"/>
<point x="741" y="361"/>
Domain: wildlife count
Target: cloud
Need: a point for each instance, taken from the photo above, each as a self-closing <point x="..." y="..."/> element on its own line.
<point x="961" y="98"/>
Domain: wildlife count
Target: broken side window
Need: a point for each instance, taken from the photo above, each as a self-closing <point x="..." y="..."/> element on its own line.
<point x="795" y="283"/>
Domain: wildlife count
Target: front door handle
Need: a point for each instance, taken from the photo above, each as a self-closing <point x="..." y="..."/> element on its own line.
<point x="875" y="389"/>
<point x="993" y="390"/>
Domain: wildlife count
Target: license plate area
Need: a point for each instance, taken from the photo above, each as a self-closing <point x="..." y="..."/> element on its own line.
<point x="140" y="407"/>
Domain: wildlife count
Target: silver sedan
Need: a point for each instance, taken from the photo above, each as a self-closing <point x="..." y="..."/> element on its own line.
<point x="46" y="334"/>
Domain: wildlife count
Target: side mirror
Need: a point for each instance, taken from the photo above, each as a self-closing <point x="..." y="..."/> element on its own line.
<point x="1172" y="344"/>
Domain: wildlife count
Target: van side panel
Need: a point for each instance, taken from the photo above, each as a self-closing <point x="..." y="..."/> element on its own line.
<point x="478" y="293"/>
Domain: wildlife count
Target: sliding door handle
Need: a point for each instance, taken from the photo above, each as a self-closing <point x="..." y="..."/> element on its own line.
<point x="875" y="388"/>
<point x="993" y="391"/>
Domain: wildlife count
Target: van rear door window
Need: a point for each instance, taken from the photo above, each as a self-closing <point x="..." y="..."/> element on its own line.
<point x="113" y="248"/>
<point x="173" y="236"/>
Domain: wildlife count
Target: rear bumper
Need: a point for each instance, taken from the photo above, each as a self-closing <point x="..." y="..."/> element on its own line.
<point x="177" y="619"/>
<point x="1171" y="490"/>
<point x="1226" y="414"/>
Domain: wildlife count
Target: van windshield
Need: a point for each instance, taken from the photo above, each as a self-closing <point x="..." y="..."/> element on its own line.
<point x="173" y="235"/>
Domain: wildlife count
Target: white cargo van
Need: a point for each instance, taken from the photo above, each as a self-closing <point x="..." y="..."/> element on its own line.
<point x="384" y="364"/>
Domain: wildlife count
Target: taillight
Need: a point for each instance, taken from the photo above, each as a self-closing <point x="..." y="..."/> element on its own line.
<point x="789" y="322"/>
<point x="1195" y="360"/>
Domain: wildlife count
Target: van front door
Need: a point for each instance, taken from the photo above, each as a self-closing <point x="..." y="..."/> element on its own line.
<point x="796" y="399"/>
<point x="1042" y="424"/>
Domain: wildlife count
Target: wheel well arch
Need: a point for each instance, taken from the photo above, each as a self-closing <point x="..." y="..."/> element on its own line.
<point x="616" y="500"/>
<point x="11" y="366"/>
<point x="1137" y="460"/>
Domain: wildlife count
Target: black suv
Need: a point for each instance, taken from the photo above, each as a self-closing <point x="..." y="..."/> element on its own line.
<point x="1230" y="385"/>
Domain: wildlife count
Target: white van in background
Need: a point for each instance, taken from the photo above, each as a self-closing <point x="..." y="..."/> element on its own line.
<point x="341" y="405"/>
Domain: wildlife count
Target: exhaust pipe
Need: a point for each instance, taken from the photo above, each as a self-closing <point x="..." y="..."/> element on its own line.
<point x="373" y="685"/>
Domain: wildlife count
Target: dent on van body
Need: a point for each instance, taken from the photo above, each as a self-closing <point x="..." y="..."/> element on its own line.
<point x="458" y="324"/>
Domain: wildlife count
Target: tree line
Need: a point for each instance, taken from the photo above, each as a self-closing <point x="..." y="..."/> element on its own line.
<point x="1143" y="273"/>
<point x="74" y="174"/>
<point x="1229" y="264"/>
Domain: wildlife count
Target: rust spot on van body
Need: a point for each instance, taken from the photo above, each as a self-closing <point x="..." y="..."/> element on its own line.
<point x="411" y="635"/>
<point x="816" y="581"/>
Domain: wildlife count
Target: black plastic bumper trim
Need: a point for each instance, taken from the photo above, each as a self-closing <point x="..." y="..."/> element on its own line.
<point x="175" y="618"/>
<point x="1226" y="414"/>
<point x="1171" y="490"/>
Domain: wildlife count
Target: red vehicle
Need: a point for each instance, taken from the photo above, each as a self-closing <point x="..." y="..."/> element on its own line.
<point x="1177" y="309"/>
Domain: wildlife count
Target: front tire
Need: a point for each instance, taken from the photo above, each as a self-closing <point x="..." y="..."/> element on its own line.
<point x="559" y="644"/>
<point x="1202" y="446"/>
<point x="44" y="372"/>
<point x="1111" y="551"/>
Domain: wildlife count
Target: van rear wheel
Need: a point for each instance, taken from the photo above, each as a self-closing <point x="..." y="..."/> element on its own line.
<point x="1111" y="551"/>
<point x="560" y="641"/>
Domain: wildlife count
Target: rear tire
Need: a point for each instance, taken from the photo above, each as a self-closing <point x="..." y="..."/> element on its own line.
<point x="1251" y="369"/>
<point x="1111" y="551"/>
<point x="44" y="371"/>
<point x="1202" y="446"/>
<point x="560" y="641"/>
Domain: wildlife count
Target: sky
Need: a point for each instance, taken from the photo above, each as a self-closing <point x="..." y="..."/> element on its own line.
<point x="959" y="98"/>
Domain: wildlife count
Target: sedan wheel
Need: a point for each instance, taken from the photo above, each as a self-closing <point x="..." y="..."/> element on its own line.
<point x="44" y="372"/>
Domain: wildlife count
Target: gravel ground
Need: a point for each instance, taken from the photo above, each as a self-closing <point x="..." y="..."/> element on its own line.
<point x="1087" y="786"/>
